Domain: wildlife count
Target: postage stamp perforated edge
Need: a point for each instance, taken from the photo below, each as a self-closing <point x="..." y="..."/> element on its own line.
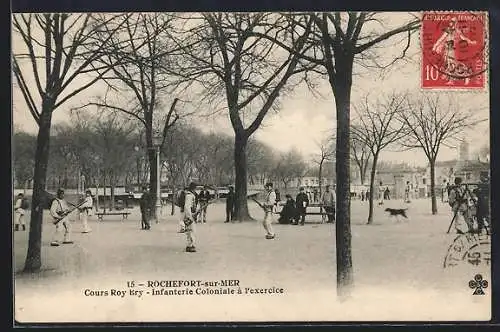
<point x="452" y="90"/>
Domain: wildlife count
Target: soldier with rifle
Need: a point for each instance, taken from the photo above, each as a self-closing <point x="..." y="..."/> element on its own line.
<point x="59" y="211"/>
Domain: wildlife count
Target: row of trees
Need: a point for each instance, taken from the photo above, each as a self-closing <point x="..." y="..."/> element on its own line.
<point x="109" y="150"/>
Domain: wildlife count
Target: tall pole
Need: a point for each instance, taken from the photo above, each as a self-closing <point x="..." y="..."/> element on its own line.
<point x="97" y="189"/>
<point x="158" y="202"/>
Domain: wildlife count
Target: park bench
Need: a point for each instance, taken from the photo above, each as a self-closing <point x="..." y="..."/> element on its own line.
<point x="124" y="214"/>
<point x="321" y="211"/>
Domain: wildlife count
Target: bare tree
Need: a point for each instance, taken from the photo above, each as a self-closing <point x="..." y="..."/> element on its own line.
<point x="360" y="153"/>
<point x="339" y="41"/>
<point x="326" y="153"/>
<point x="290" y="165"/>
<point x="378" y="127"/>
<point x="53" y="61"/>
<point x="143" y="42"/>
<point x="433" y="122"/>
<point x="230" y="61"/>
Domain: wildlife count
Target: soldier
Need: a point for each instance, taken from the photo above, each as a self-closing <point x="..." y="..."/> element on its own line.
<point x="19" y="212"/>
<point x="86" y="210"/>
<point x="190" y="206"/>
<point x="145" y="206"/>
<point x="230" y="200"/>
<point x="204" y="199"/>
<point x="381" y="194"/>
<point x="59" y="211"/>
<point x="301" y="202"/>
<point x="328" y="202"/>
<point x="407" y="192"/>
<point x="459" y="205"/>
<point x="268" y="205"/>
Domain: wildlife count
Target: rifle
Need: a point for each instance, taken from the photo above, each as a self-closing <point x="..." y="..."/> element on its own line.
<point x="262" y="206"/>
<point x="64" y="214"/>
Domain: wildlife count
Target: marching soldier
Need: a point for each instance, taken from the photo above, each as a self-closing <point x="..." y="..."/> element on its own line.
<point x="86" y="210"/>
<point x="59" y="211"/>
<point x="19" y="212"/>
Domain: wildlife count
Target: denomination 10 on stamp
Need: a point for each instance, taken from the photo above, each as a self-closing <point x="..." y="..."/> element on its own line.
<point x="453" y="50"/>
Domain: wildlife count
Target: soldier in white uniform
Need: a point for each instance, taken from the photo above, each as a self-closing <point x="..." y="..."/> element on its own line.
<point x="59" y="212"/>
<point x="268" y="205"/>
<point x="19" y="212"/>
<point x="86" y="210"/>
<point x="190" y="206"/>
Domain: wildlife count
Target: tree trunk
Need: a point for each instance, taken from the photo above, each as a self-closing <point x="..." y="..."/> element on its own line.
<point x="33" y="258"/>
<point x="342" y="90"/>
<point x="362" y="173"/>
<point x="432" y="164"/>
<point x="153" y="171"/>
<point x="372" y="187"/>
<point x="104" y="193"/>
<point x="240" y="168"/>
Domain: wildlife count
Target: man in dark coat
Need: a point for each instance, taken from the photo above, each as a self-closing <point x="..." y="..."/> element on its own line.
<point x="145" y="205"/>
<point x="230" y="200"/>
<point x="289" y="213"/>
<point x="483" y="203"/>
<point x="302" y="202"/>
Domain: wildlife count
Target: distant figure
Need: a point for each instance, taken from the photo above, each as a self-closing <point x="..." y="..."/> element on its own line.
<point x="230" y="201"/>
<point x="86" y="211"/>
<point x="289" y="213"/>
<point x="301" y="203"/>
<point x="145" y="206"/>
<point x="204" y="199"/>
<point x="315" y="195"/>
<point x="407" y="192"/>
<point x="387" y="194"/>
<point x="445" y="190"/>
<point x="381" y="194"/>
<point x="19" y="208"/>
<point x="362" y="195"/>
<point x="328" y="202"/>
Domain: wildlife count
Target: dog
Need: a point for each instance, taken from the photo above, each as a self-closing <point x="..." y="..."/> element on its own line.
<point x="396" y="213"/>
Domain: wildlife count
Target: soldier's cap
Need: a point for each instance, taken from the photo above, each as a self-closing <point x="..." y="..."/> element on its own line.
<point x="301" y="188"/>
<point x="269" y="184"/>
<point x="20" y="194"/>
<point x="60" y="191"/>
<point x="192" y="186"/>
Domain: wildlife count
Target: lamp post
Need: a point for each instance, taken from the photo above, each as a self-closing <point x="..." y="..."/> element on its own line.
<point x="96" y="158"/>
<point x="157" y="141"/>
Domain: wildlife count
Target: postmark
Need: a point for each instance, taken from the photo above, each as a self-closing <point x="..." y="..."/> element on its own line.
<point x="473" y="249"/>
<point x="453" y="50"/>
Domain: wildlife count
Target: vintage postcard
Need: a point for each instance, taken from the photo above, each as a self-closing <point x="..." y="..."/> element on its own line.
<point x="251" y="167"/>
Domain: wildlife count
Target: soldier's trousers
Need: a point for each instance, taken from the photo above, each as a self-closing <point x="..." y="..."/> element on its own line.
<point x="268" y="219"/>
<point x="67" y="231"/>
<point x="190" y="234"/>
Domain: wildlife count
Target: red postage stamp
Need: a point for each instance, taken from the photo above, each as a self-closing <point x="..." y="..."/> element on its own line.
<point x="453" y="50"/>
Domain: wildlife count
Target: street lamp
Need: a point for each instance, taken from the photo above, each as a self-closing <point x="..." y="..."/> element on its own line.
<point x="157" y="141"/>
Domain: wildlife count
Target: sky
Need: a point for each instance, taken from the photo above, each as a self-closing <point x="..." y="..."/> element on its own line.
<point x="305" y="120"/>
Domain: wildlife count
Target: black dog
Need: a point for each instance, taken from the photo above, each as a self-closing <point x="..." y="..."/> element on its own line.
<point x="397" y="212"/>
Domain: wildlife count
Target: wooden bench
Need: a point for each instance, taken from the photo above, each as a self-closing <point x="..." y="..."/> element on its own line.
<point x="321" y="212"/>
<point x="124" y="214"/>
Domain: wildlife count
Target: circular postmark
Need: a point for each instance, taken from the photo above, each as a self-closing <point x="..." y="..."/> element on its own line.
<point x="473" y="249"/>
<point x="453" y="45"/>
